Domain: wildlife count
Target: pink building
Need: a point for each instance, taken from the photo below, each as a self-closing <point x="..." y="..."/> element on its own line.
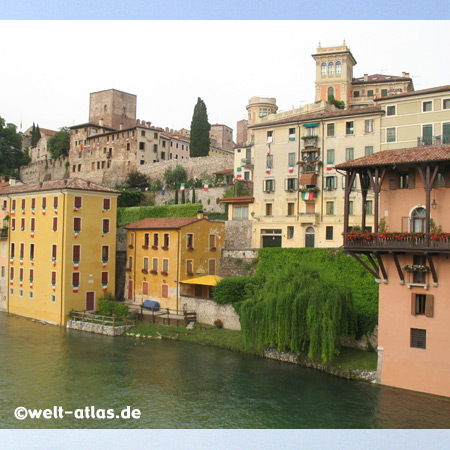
<point x="408" y="254"/>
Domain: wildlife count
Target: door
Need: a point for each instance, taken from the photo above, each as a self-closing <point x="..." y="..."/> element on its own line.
<point x="90" y="301"/>
<point x="271" y="241"/>
<point x="309" y="237"/>
<point x="130" y="289"/>
<point x="418" y="220"/>
<point x="427" y="134"/>
<point x="446" y="133"/>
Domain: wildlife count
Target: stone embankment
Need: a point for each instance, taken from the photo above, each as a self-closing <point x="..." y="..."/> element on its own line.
<point x="97" y="328"/>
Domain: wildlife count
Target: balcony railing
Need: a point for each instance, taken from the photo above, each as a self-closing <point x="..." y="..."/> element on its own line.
<point x="4" y="233"/>
<point x="311" y="141"/>
<point x="400" y="241"/>
<point x="428" y="141"/>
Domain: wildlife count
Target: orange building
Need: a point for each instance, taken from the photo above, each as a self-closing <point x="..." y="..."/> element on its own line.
<point x="164" y="251"/>
<point x="408" y="254"/>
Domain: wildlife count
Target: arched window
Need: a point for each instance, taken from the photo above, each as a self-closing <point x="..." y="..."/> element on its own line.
<point x="324" y="68"/>
<point x="330" y="91"/>
<point x="418" y="218"/>
<point x="330" y="68"/>
<point x="338" y="67"/>
<point x="309" y="237"/>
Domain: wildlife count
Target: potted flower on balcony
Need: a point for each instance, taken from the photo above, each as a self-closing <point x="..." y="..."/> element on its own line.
<point x="145" y="247"/>
<point x="144" y="271"/>
<point x="130" y="246"/>
<point x="153" y="272"/>
<point x="163" y="272"/>
<point x="154" y="247"/>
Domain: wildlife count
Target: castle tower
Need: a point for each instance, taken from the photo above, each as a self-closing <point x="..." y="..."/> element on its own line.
<point x="258" y="108"/>
<point x="334" y="72"/>
<point x="113" y="109"/>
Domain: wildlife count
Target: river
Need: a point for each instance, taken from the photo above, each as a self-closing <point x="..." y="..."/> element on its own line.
<point x="182" y="385"/>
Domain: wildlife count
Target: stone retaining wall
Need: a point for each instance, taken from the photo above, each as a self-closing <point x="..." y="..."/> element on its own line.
<point x="208" y="311"/>
<point x="237" y="263"/>
<point x="97" y="328"/>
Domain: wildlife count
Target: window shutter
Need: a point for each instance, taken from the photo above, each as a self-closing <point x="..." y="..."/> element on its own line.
<point x="76" y="252"/>
<point x="429" y="306"/>
<point x="77" y="202"/>
<point x="413" y="304"/>
<point x="285" y="184"/>
<point x="393" y="181"/>
<point x="412" y="179"/>
<point x="104" y="277"/>
<point x="145" y="288"/>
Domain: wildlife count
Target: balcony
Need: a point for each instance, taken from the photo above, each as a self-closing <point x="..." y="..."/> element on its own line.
<point x="247" y="162"/>
<point x="309" y="218"/>
<point x="310" y="141"/>
<point x="428" y="141"/>
<point x="4" y="233"/>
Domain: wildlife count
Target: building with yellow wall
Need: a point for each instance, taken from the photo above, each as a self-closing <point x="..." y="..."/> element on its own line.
<point x="62" y="245"/>
<point x="164" y="251"/>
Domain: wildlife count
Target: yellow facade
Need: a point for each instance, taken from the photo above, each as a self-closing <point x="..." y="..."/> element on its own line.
<point x="163" y="252"/>
<point x="58" y="231"/>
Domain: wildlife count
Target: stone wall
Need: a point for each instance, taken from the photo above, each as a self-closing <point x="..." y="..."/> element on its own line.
<point x="97" y="328"/>
<point x="43" y="171"/>
<point x="208" y="311"/>
<point x="237" y="263"/>
<point x="238" y="234"/>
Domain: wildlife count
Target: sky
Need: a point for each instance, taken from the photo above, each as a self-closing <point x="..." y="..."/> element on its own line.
<point x="52" y="66"/>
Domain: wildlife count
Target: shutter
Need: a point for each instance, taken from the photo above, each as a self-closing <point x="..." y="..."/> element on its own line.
<point x="145" y="288"/>
<point x="55" y="202"/>
<point x="393" y="181"/>
<point x="54" y="251"/>
<point x="325" y="182"/>
<point x="77" y="202"/>
<point x="76" y="252"/>
<point x="429" y="305"/>
<point x="104" y="277"/>
<point x="412" y="179"/>
<point x="413" y="304"/>
<point x="31" y="274"/>
<point x="105" y="225"/>
<point x="75" y="278"/>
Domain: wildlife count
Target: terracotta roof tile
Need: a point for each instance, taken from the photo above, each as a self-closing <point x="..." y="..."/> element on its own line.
<point x="413" y="93"/>
<point x="161" y="223"/>
<point x="401" y="156"/>
<point x="377" y="78"/>
<point x="73" y="183"/>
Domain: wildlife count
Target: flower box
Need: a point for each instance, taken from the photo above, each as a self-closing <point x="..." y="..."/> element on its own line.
<point x="145" y="247"/>
<point x="144" y="271"/>
<point x="153" y="272"/>
<point x="128" y="269"/>
<point x="190" y="247"/>
<point x="165" y="248"/>
<point x="164" y="273"/>
<point x="213" y="249"/>
<point x="154" y="247"/>
<point x="131" y="246"/>
<point x="416" y="268"/>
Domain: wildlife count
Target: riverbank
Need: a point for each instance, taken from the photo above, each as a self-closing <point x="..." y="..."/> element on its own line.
<point x="350" y="363"/>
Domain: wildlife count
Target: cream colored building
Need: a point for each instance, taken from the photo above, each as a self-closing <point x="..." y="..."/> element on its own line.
<point x="415" y="119"/>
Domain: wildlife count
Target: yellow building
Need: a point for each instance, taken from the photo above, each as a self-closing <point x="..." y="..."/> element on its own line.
<point x="164" y="251"/>
<point x="62" y="245"/>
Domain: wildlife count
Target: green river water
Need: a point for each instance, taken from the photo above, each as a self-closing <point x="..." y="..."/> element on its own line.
<point x="181" y="385"/>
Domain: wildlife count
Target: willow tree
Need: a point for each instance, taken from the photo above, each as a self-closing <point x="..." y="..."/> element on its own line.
<point x="294" y="309"/>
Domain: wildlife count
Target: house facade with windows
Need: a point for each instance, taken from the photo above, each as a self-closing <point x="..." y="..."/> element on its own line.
<point x="419" y="118"/>
<point x="408" y="254"/>
<point x="62" y="244"/>
<point x="162" y="252"/>
<point x="298" y="194"/>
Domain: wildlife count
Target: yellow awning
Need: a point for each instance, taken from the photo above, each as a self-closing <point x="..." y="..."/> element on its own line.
<point x="208" y="280"/>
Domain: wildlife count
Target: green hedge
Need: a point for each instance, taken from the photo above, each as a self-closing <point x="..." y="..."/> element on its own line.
<point x="109" y="307"/>
<point x="134" y="214"/>
<point x="232" y="290"/>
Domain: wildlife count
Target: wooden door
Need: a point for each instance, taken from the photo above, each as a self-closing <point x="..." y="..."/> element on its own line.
<point x="90" y="301"/>
<point x="130" y="289"/>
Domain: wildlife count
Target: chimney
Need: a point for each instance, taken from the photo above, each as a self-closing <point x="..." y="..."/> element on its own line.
<point x="100" y="122"/>
<point x="405" y="74"/>
<point x="366" y="77"/>
<point x="121" y="126"/>
<point x="200" y="214"/>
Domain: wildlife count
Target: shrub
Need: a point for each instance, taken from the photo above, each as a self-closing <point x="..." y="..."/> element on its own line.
<point x="232" y="290"/>
<point x="109" y="308"/>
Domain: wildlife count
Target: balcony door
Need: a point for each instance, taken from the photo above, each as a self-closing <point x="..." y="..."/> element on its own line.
<point x="446" y="133"/>
<point x="418" y="218"/>
<point x="309" y="237"/>
<point x="427" y="134"/>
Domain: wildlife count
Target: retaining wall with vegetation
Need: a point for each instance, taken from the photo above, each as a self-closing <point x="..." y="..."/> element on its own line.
<point x="97" y="328"/>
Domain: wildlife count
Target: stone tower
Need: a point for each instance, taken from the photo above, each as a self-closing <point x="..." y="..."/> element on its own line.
<point x="334" y="72"/>
<point x="113" y="109"/>
<point x="258" y="108"/>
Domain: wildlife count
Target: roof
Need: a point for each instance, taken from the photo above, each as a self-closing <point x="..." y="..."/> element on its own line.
<point x="90" y="124"/>
<point x="324" y="115"/>
<point x="433" y="90"/>
<point x="167" y="223"/>
<point x="379" y="78"/>
<point x="47" y="132"/>
<point x="73" y="183"/>
<point x="208" y="280"/>
<point x="402" y="156"/>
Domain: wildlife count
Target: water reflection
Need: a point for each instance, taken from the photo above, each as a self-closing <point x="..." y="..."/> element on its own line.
<point x="179" y="385"/>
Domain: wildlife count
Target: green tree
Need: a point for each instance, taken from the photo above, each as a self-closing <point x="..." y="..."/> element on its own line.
<point x="33" y="135"/>
<point x="137" y="180"/>
<point x="59" y="144"/>
<point x="338" y="103"/>
<point x="200" y="127"/>
<point x="193" y="195"/>
<point x="38" y="134"/>
<point x="174" y="176"/>
<point x="130" y="198"/>
<point x="183" y="197"/>
<point x="11" y="155"/>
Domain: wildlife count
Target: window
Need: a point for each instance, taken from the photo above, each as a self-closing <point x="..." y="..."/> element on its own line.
<point x="349" y="154"/>
<point x="291" y="184"/>
<point x="330" y="208"/>
<point x="324" y="69"/>
<point x="11" y="253"/>
<point x="105" y="253"/>
<point x="270" y="136"/>
<point x="240" y="212"/>
<point x="53" y="277"/>
<point x="418" y="338"/>
<point x="77" y="224"/>
<point x="22" y="224"/>
<point x="77" y="202"/>
<point x="384" y="92"/>
<point x="106" y="204"/>
<point x="190" y="240"/>
<point x="55" y="224"/>
<point x="189" y="267"/>
<point x="311" y="131"/>
<point x="53" y="298"/>
<point x="32" y="224"/>
<point x="22" y="250"/>
<point x="21" y="274"/>
<point x="75" y="279"/>
<point x="330" y="129"/>
<point x="368" y="150"/>
<point x="390" y="132"/>
<point x="54" y="252"/>
<point x="329" y="183"/>
<point x="130" y="263"/>
<point x="292" y="134"/>
<point x="290" y="232"/>
<point x="141" y="145"/>
<point x="349" y="128"/>
<point x="30" y="294"/>
<point x="212" y="267"/>
<point x="330" y="68"/>
<point x="212" y="241"/>
<point x="329" y="234"/>
<point x="269" y="185"/>
<point x="403" y="180"/>
<point x="11" y="273"/>
<point x="370" y="93"/>
<point x="427" y="106"/>
<point x="446" y="104"/>
<point x="55" y="202"/>
<point x="155" y="239"/>
<point x="268" y="209"/>
<point x="13" y="205"/>
<point x="368" y="126"/>
<point x="356" y="94"/>
<point x="330" y="156"/>
<point x="76" y="252"/>
<point x="338" y="67"/>
<point x="13" y="224"/>
<point x="31" y="275"/>
<point x="290" y="209"/>
<point x="165" y="265"/>
<point x="291" y="159"/>
<point x="350" y="208"/>
<point x="23" y="204"/>
<point x="390" y="110"/>
<point x="269" y="164"/>
<point x="142" y="133"/>
<point x="146" y="264"/>
<point x="105" y="226"/>
<point x="440" y="180"/>
<point x="422" y="304"/>
<point x="369" y="207"/>
<point x="166" y="240"/>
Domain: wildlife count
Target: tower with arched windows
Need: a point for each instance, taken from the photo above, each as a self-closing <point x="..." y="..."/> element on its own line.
<point x="334" y="72"/>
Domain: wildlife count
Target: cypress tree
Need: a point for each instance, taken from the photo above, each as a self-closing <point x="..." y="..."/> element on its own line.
<point x="176" y="196"/>
<point x="33" y="135"/>
<point x="193" y="195"/>
<point x="38" y="134"/>
<point x="200" y="130"/>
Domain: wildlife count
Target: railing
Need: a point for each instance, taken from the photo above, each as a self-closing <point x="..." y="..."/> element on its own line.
<point x="104" y="320"/>
<point x="412" y="243"/>
<point x="4" y="233"/>
<point x="428" y="141"/>
<point x="168" y="316"/>
<point x="311" y="141"/>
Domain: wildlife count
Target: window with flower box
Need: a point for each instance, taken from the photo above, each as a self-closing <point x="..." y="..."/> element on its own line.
<point x="155" y="265"/>
<point x="145" y="268"/>
<point x="75" y="279"/>
<point x="165" y="266"/>
<point x="31" y="275"/>
<point x="55" y="202"/>
<point x="105" y="253"/>
<point x="31" y="252"/>
<point x="105" y="278"/>
<point x="146" y="241"/>
<point x="190" y="241"/>
<point x="76" y="253"/>
<point x="54" y="251"/>
<point x="23" y="204"/>
<point x="55" y="224"/>
<point x="105" y="226"/>
<point x="77" y="224"/>
<point x="212" y="241"/>
<point x="166" y="241"/>
<point x="155" y="240"/>
<point x="22" y="250"/>
<point x="22" y="224"/>
<point x="11" y="253"/>
<point x="44" y="203"/>
<point x="32" y="224"/>
<point x="13" y="224"/>
<point x="53" y="277"/>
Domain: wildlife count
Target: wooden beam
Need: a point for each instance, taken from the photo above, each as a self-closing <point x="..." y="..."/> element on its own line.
<point x="428" y="199"/>
<point x="377" y="196"/>
<point x="433" y="177"/>
<point x="369" y="269"/>
<point x="421" y="174"/>
<point x="399" y="269"/>
<point x="369" y="257"/>
<point x="380" y="263"/>
<point x="433" y="269"/>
